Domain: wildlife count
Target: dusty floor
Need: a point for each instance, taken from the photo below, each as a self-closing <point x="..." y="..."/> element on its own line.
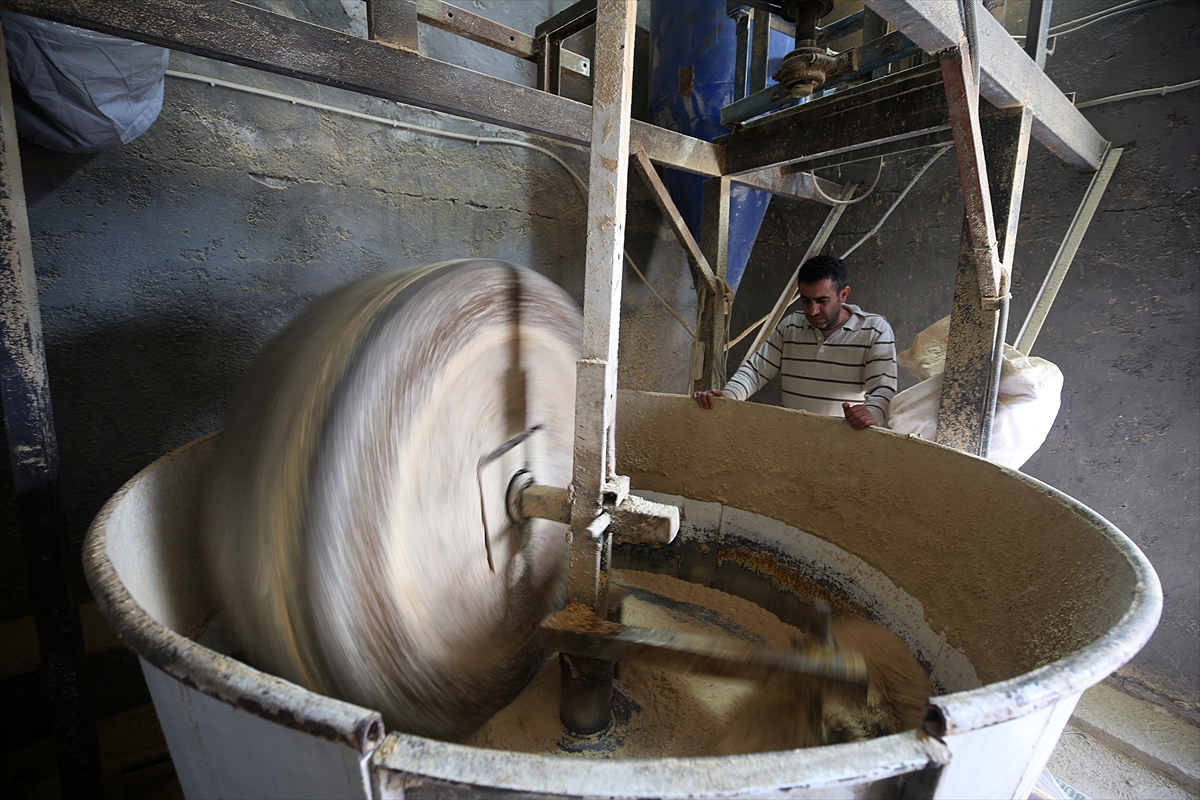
<point x="1098" y="771"/>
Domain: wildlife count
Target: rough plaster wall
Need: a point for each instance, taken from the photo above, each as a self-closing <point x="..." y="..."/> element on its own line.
<point x="1126" y="324"/>
<point x="165" y="265"/>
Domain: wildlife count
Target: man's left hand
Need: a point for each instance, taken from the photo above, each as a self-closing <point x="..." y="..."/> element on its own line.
<point x="859" y="417"/>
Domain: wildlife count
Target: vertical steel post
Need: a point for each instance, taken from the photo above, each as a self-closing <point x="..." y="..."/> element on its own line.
<point x="587" y="684"/>
<point x="973" y="317"/>
<point x="549" y="64"/>
<point x="741" y="16"/>
<point x="33" y="454"/>
<point x="874" y="27"/>
<point x="1006" y="141"/>
<point x="1038" y="30"/>
<point x="760" y="46"/>
<point x="714" y="242"/>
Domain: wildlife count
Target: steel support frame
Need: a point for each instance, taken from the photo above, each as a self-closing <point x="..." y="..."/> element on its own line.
<point x="1038" y="31"/>
<point x="875" y="27"/>
<point x="794" y="184"/>
<point x="1066" y="252"/>
<point x="393" y="22"/>
<point x="548" y="39"/>
<point x="658" y="190"/>
<point x="760" y="45"/>
<point x="993" y="147"/>
<point x="1009" y="77"/>
<point x="33" y="459"/>
<point x="585" y="706"/>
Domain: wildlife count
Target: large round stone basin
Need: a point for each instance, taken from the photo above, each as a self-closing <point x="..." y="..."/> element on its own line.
<point x="1015" y="597"/>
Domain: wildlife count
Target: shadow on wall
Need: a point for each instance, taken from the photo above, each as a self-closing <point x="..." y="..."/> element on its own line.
<point x="126" y="394"/>
<point x="52" y="169"/>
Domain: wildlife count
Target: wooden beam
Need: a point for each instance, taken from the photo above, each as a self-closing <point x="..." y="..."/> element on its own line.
<point x="1009" y="77"/>
<point x="33" y="461"/>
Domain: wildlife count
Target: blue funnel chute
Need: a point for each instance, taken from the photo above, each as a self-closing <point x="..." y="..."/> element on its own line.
<point x="693" y="52"/>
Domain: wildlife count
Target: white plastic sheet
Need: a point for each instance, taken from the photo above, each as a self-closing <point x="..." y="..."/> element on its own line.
<point x="76" y="91"/>
<point x="1029" y="398"/>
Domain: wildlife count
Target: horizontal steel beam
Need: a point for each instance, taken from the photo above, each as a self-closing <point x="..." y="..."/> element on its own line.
<point x="1009" y="78"/>
<point x="240" y="34"/>
<point x="889" y="110"/>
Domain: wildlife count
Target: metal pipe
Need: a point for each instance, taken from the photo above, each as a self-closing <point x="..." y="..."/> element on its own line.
<point x="993" y="392"/>
<point x="1038" y="30"/>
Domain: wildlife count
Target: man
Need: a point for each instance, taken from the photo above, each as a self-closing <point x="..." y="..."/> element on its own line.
<point x="836" y="359"/>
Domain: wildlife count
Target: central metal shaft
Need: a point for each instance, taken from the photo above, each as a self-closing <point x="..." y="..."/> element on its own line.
<point x="585" y="706"/>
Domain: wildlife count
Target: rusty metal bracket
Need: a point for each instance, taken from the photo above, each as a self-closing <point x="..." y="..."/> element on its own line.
<point x="962" y="100"/>
<point x="549" y="36"/>
<point x="490" y="33"/>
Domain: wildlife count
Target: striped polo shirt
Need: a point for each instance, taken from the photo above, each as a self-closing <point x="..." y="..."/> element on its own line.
<point x="855" y="364"/>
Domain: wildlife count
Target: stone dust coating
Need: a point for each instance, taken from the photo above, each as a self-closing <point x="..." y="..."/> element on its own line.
<point x="660" y="713"/>
<point x="578" y="617"/>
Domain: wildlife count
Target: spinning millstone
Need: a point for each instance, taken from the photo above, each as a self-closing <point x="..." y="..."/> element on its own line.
<point x="384" y="520"/>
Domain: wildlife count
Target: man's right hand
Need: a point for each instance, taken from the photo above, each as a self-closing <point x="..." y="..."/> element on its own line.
<point x="705" y="399"/>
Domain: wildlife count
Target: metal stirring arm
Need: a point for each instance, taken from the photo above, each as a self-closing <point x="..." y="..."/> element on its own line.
<point x="821" y="669"/>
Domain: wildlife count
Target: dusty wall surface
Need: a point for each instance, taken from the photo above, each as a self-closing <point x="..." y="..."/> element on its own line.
<point x="165" y="265"/>
<point x="1126" y="324"/>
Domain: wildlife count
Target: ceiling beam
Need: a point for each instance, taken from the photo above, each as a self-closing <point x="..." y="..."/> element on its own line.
<point x="252" y="37"/>
<point x="1009" y="77"/>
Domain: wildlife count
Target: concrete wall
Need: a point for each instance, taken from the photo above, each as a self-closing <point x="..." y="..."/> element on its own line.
<point x="1126" y="325"/>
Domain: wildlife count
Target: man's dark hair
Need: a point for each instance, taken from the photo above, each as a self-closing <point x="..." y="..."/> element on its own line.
<point x="818" y="268"/>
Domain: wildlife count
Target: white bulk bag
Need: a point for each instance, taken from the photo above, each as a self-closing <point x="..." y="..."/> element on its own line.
<point x="76" y="91"/>
<point x="1027" y="405"/>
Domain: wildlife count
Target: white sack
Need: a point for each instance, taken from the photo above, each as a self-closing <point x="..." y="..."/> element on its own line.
<point x="77" y="91"/>
<point x="1029" y="398"/>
